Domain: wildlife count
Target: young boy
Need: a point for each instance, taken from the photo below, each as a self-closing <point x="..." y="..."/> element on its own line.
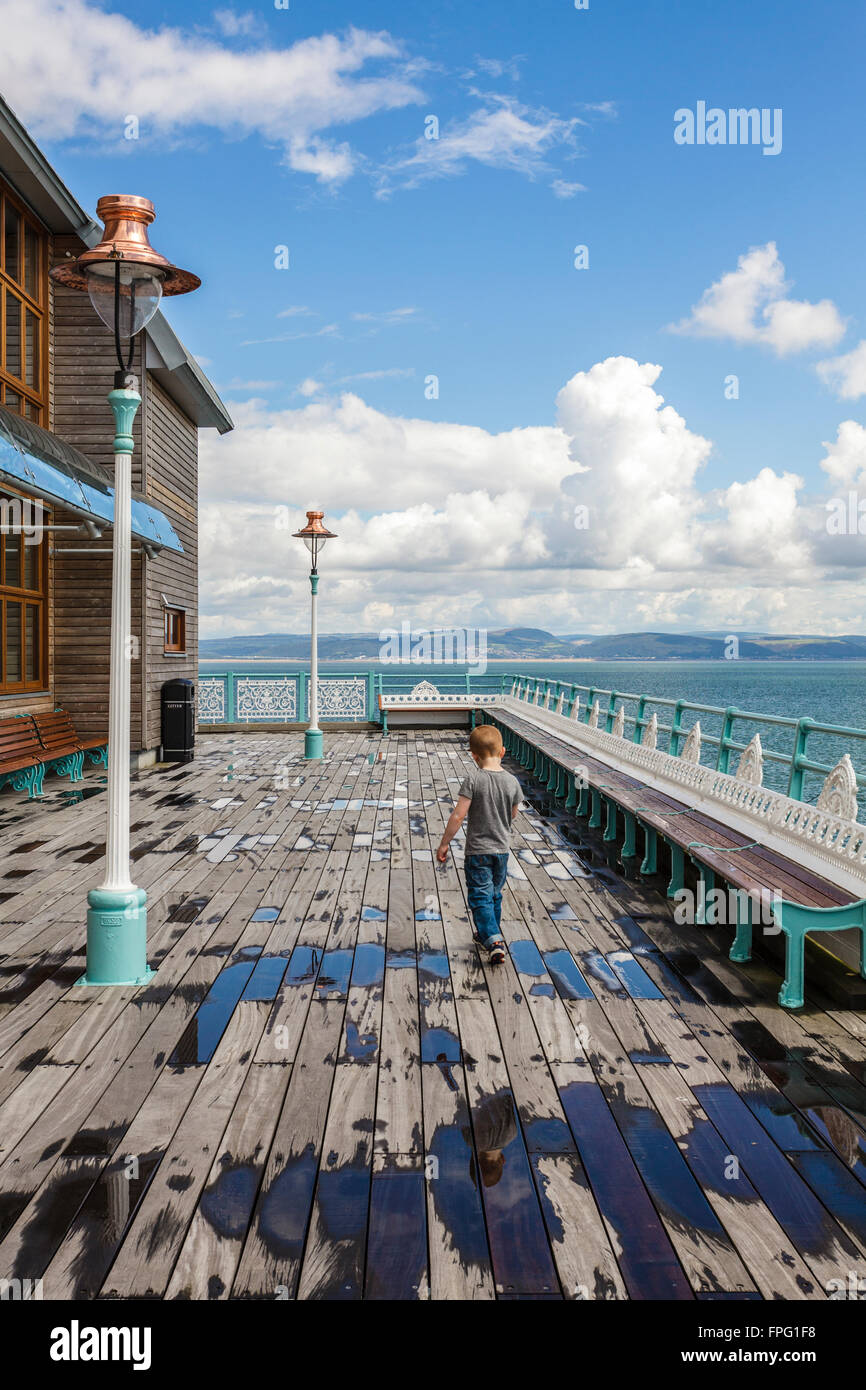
<point x="491" y="797"/>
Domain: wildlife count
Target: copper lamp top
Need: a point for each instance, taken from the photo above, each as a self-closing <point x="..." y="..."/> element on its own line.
<point x="314" y="528"/>
<point x="126" y="219"/>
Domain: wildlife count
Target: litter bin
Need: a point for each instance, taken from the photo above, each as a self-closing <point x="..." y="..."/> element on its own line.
<point x="178" y="721"/>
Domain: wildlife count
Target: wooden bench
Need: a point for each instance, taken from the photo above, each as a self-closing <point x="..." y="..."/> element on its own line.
<point x="768" y="886"/>
<point x="426" y="698"/>
<point x="64" y="749"/>
<point x="33" y="744"/>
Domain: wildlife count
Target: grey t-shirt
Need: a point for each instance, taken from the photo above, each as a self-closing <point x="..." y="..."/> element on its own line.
<point x="488" y="824"/>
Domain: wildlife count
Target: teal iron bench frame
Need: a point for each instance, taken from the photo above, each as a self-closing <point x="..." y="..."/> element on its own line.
<point x="65" y="750"/>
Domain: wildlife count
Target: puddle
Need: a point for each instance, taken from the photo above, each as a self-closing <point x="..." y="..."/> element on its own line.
<point x="440" y="1045"/>
<point x="527" y="958"/>
<point x="566" y="976"/>
<point x="434" y="963"/>
<point x="361" y="1047"/>
<point x="368" y="967"/>
<point x="266" y="978"/>
<point x="199" y="1040"/>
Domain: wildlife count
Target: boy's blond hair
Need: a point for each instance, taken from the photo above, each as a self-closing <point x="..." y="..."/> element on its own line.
<point x="485" y="741"/>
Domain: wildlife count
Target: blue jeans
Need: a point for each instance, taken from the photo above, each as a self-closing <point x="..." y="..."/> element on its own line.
<point x="485" y="880"/>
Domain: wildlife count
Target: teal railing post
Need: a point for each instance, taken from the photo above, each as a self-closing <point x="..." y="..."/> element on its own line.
<point x="302" y="697"/>
<point x="798" y="772"/>
<point x="590" y="696"/>
<point x="371" y="696"/>
<point x="230" y="697"/>
<point x="611" y="711"/>
<point x="676" y="728"/>
<point x="724" y="751"/>
<point x="468" y="684"/>
<point x="639" y="719"/>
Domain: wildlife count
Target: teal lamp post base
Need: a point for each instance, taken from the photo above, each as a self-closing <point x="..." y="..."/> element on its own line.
<point x="116" y="938"/>
<point x="313" y="743"/>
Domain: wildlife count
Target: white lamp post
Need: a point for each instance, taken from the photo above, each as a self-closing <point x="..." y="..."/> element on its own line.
<point x="126" y="280"/>
<point x="314" y="535"/>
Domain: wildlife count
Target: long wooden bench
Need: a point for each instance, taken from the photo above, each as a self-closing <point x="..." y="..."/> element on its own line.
<point x="768" y="886"/>
<point x="426" y="697"/>
<point x="33" y="744"/>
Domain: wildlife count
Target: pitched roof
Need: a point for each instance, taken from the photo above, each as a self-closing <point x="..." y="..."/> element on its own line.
<point x="24" y="166"/>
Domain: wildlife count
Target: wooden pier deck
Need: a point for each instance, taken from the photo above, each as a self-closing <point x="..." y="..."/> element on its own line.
<point x="325" y="1093"/>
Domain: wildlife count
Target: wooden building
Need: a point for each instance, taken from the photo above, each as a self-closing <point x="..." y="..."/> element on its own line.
<point x="57" y="363"/>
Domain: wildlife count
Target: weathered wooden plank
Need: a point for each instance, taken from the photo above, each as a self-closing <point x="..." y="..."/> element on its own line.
<point x="396" y="1264"/>
<point x="334" y="1259"/>
<point x="273" y="1250"/>
<point x="646" y="1257"/>
<point x="209" y="1256"/>
<point x="459" y="1254"/>
<point x="144" y="1263"/>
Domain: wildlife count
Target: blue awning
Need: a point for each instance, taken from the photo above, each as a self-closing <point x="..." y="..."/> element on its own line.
<point x="44" y="466"/>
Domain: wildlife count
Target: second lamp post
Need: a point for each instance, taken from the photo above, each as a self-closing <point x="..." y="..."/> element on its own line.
<point x="314" y="535"/>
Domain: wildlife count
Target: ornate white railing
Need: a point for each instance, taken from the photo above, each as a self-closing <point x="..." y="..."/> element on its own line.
<point x="826" y="838"/>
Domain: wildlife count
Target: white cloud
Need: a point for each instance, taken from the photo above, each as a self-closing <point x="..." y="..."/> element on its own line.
<point x="749" y="305"/>
<point x="328" y="330"/>
<point x="237" y="385"/>
<point x="846" y="375"/>
<point x="380" y="375"/>
<point x="74" y="70"/>
<point x="563" y="189"/>
<point x="641" y="462"/>
<point x="295" y="311"/>
<point x="845" y="460"/>
<point x="500" y="67"/>
<point x="448" y="523"/>
<point x="502" y="134"/>
<point x="389" y="317"/>
<point x="235" y="25"/>
<point x="762" y="525"/>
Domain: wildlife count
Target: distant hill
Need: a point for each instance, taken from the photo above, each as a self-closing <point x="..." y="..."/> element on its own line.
<point x="526" y="642"/>
<point x="536" y="644"/>
<point x="671" y="646"/>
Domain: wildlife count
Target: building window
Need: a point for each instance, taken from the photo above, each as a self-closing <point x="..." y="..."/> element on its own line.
<point x="23" y="310"/>
<point x="22" y="603"/>
<point x="175" y="631"/>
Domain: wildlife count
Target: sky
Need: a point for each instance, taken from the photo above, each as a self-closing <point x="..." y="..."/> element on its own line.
<point x="484" y="283"/>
